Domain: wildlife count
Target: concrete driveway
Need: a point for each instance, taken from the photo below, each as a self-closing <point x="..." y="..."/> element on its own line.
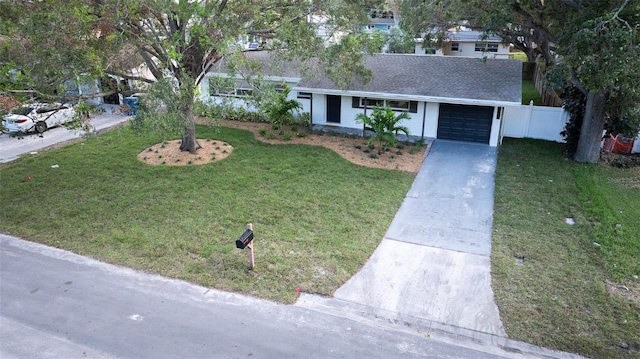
<point x="434" y="261"/>
<point x="12" y="147"/>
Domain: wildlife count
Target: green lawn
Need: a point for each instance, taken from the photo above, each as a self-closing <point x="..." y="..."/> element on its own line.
<point x="316" y="217"/>
<point x="518" y="56"/>
<point x="529" y="93"/>
<point x="549" y="277"/>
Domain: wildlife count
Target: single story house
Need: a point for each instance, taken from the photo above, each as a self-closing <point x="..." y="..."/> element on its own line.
<point x="452" y="98"/>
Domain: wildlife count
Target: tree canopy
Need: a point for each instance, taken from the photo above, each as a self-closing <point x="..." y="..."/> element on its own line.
<point x="176" y="41"/>
<point x="592" y="44"/>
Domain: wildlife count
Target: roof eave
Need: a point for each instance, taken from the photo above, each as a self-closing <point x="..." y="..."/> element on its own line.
<point x="383" y="95"/>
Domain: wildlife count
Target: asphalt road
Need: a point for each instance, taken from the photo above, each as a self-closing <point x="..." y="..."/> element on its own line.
<point x="12" y="147"/>
<point x="55" y="304"/>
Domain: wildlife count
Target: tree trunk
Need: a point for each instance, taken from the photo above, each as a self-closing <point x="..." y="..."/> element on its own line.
<point x="189" y="141"/>
<point x="588" y="150"/>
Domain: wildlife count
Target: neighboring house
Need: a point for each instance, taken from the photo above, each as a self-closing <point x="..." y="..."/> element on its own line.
<point x="381" y="20"/>
<point x="447" y="97"/>
<point x="89" y="88"/>
<point x="468" y="44"/>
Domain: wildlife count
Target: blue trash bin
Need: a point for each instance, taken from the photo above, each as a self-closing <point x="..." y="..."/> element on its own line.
<point x="132" y="103"/>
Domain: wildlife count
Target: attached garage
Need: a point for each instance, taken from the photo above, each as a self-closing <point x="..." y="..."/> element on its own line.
<point x="465" y="123"/>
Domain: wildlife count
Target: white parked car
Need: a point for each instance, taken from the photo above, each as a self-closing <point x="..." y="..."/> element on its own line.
<point x="37" y="117"/>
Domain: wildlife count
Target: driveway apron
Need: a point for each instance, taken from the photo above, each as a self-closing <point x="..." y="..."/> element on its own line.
<point x="434" y="261"/>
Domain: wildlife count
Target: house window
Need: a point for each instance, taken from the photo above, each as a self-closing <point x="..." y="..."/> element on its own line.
<point x="222" y="91"/>
<point x="492" y="47"/>
<point x="398" y="105"/>
<point x="370" y="102"/>
<point x="305" y="95"/>
<point x="395" y="105"/>
<point x="486" y="47"/>
<point x="455" y="46"/>
<point x="244" y="92"/>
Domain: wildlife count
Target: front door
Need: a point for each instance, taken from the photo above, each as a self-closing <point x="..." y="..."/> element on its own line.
<point x="333" y="108"/>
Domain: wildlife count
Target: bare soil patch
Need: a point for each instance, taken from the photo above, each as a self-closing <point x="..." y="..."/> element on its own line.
<point x="630" y="291"/>
<point x="168" y="153"/>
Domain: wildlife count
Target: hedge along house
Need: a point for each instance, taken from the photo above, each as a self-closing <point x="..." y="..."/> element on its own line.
<point x="451" y="98"/>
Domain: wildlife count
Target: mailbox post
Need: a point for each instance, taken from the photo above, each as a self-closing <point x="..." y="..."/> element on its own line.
<point x="246" y="241"/>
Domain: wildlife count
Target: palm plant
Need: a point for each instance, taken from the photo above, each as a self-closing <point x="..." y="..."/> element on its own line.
<point x="279" y="112"/>
<point x="383" y="122"/>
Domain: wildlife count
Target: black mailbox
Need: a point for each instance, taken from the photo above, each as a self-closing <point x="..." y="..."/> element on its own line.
<point x="244" y="239"/>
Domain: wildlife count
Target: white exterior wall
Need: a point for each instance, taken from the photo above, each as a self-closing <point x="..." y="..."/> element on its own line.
<point x="319" y="111"/>
<point x="431" y="119"/>
<point x="306" y="103"/>
<point x="468" y="49"/>
<point x="237" y="102"/>
<point x="494" y="137"/>
<point x="348" y="114"/>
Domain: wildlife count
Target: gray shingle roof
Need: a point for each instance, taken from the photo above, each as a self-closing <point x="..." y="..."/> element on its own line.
<point x="437" y="76"/>
<point x="440" y="77"/>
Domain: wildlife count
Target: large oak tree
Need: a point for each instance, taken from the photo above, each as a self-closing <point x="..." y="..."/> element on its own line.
<point x="176" y="41"/>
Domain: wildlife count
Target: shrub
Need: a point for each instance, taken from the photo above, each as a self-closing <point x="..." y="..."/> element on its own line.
<point x="301" y="134"/>
<point x="373" y="155"/>
<point x="304" y="120"/>
<point x="262" y="132"/>
<point x="286" y="137"/>
<point x="279" y="111"/>
<point x="383" y="122"/>
<point x="202" y="109"/>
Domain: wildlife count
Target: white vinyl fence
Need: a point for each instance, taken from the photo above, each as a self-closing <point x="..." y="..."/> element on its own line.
<point x="540" y="122"/>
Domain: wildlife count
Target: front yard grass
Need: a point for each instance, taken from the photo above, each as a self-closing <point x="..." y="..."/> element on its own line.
<point x="316" y="217"/>
<point x="560" y="285"/>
